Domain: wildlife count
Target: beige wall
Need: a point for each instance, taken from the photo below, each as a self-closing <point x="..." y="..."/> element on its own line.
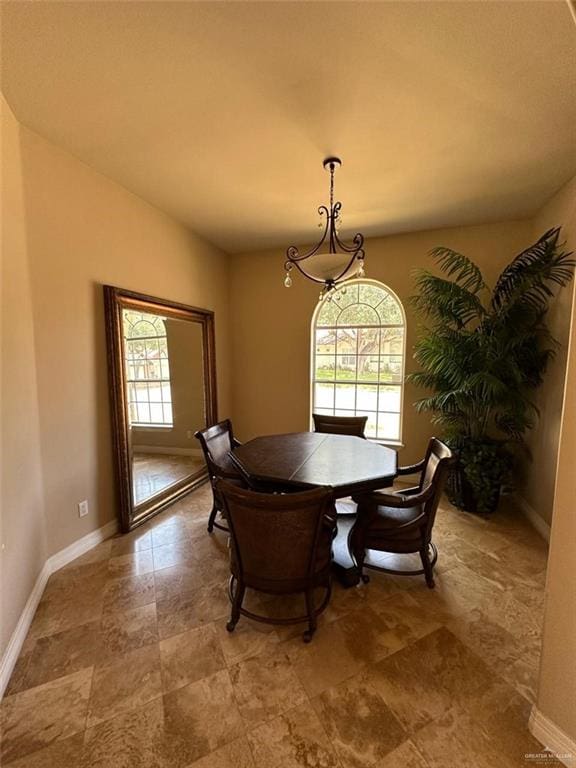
<point x="540" y="473"/>
<point x="22" y="528"/>
<point x="557" y="688"/>
<point x="271" y="329"/>
<point x="83" y="230"/>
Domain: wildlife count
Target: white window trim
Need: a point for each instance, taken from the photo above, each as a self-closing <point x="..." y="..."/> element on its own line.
<point x="363" y="281"/>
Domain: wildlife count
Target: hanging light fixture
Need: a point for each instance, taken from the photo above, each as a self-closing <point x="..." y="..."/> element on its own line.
<point x="329" y="270"/>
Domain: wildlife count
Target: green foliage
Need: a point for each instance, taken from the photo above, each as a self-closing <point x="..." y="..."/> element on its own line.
<point x="486" y="466"/>
<point x="484" y="352"/>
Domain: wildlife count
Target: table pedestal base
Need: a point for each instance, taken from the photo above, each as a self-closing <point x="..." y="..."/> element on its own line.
<point x="343" y="566"/>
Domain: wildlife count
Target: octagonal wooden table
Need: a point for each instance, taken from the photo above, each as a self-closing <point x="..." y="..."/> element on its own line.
<point x="303" y="460"/>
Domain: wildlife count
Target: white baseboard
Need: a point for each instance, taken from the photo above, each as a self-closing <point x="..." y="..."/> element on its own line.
<point x="553" y="738"/>
<point x="54" y="563"/>
<point x="538" y="522"/>
<point x="160" y="449"/>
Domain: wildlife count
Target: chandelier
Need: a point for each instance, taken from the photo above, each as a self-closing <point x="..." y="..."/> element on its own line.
<point x="338" y="261"/>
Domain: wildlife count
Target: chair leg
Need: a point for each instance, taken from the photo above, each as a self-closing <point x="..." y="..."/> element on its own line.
<point x="311" y="616"/>
<point x="358" y="552"/>
<point x="427" y="566"/>
<point x="212" y="517"/>
<point x="237" y="598"/>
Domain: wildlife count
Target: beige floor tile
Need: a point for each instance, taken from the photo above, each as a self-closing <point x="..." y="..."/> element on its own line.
<point x="367" y="636"/>
<point x="456" y="740"/>
<point x="200" y="718"/>
<point x="125" y="684"/>
<point x="63" y="653"/>
<point x="172" y="554"/>
<point x="406" y="615"/>
<point x="133" y="564"/>
<point x="129" y="592"/>
<point x="173" y="531"/>
<point x="250" y="638"/>
<point x="132" y="740"/>
<point x="237" y="754"/>
<point x="125" y="631"/>
<point x="404" y="756"/>
<point x="265" y="687"/>
<point x="324" y="662"/>
<point x="17" y="682"/>
<point x="187" y="610"/>
<point x="360" y="726"/>
<point x="293" y="740"/>
<point x="190" y="656"/>
<point x="61" y="754"/>
<point x="39" y="716"/>
<point x="135" y="541"/>
<point x="423" y="681"/>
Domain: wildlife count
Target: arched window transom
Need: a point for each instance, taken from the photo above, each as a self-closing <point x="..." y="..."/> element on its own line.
<point x="358" y="350"/>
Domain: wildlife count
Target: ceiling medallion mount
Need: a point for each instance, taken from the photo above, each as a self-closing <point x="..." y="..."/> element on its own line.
<point x="331" y="272"/>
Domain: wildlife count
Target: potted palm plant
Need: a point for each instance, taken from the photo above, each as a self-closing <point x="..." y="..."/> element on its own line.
<point x="482" y="354"/>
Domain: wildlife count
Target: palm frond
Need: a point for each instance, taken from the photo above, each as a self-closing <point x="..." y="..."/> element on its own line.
<point x="459" y="267"/>
<point x="446" y="301"/>
<point x="526" y="278"/>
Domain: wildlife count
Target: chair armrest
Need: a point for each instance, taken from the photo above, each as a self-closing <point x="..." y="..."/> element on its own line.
<point x="222" y="474"/>
<point x="399" y="500"/>
<point x="411" y="469"/>
<point x="235" y="443"/>
<point x="411" y="491"/>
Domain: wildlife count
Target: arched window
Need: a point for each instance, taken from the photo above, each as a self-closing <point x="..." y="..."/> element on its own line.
<point x="358" y="343"/>
<point x="147" y="369"/>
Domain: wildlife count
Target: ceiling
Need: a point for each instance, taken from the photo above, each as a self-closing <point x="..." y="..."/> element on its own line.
<point x="221" y="113"/>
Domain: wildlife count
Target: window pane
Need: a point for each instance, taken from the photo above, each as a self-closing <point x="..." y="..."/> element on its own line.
<point x="367" y="398"/>
<point x="133" y="412"/>
<point x="392" y="341"/>
<point x="141" y="392"/>
<point x="166" y="392"/>
<point x="389" y="426"/>
<point x="163" y="347"/>
<point x="164" y="369"/>
<point x="346" y="341"/>
<point x="368" y="367"/>
<point x="328" y="314"/>
<point x="345" y="396"/>
<point x="372" y="295"/>
<point x="156" y="413"/>
<point x="345" y="367"/>
<point x="391" y="368"/>
<point x="371" y="424"/>
<point x="325" y="343"/>
<point x="152" y="349"/>
<point x="324" y="396"/>
<point x="167" y="413"/>
<point x="155" y="392"/>
<point x="389" y="399"/>
<point x="143" y="413"/>
<point x="345" y="296"/>
<point x="389" y="311"/>
<point x="324" y="367"/>
<point x="359" y="314"/>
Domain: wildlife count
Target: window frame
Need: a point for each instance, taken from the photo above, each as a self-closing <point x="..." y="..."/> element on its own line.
<point x="312" y="378"/>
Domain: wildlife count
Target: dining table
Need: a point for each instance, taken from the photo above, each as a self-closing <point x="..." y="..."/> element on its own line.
<point x="348" y="466"/>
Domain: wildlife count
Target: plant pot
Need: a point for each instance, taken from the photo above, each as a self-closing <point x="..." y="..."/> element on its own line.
<point x="462" y="494"/>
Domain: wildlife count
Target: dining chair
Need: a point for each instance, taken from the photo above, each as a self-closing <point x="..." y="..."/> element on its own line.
<point x="216" y="442"/>
<point x="340" y="425"/>
<point x="401" y="522"/>
<point x="281" y="544"/>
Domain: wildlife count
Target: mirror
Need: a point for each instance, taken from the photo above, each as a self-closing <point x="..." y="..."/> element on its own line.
<point x="163" y="389"/>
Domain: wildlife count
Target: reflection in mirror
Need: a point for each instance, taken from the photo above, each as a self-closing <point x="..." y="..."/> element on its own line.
<point x="163" y="389"/>
<point x="165" y="397"/>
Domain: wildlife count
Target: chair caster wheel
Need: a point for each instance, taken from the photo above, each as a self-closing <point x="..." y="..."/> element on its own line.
<point x="365" y="578"/>
<point x="230" y="626"/>
<point x="210" y="529"/>
<point x="431" y="584"/>
<point x="307" y="636"/>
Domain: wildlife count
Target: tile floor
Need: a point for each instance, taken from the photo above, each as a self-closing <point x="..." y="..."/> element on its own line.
<point x="154" y="472"/>
<point x="128" y="663"/>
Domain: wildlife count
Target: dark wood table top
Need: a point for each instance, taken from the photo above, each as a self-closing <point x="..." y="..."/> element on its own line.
<point x="350" y="465"/>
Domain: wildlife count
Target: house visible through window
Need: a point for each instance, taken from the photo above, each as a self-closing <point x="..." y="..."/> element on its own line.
<point x="147" y="369"/>
<point x="358" y="357"/>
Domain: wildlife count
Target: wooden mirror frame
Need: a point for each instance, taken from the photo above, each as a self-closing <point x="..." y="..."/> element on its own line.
<point x="115" y="300"/>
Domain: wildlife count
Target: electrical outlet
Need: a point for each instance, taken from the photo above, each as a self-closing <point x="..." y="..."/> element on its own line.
<point x="189" y="434"/>
<point x="83" y="508"/>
